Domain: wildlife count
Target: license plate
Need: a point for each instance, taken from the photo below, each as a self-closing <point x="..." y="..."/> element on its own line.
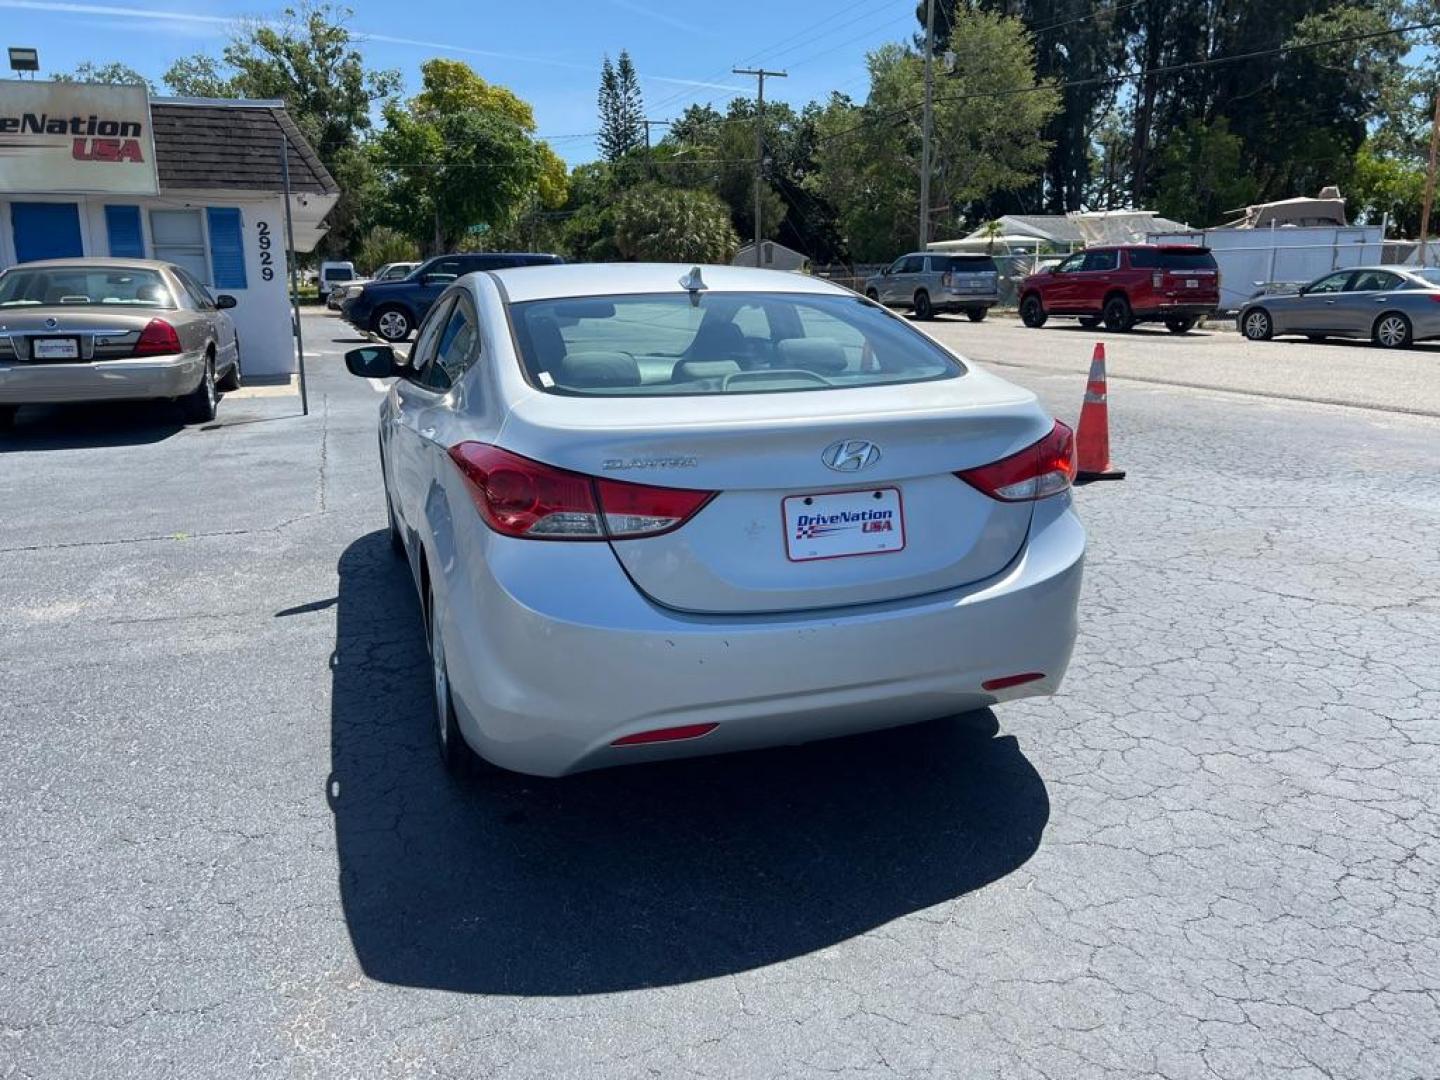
<point x="55" y="349"/>
<point x="1191" y="283"/>
<point x="842" y="523"/>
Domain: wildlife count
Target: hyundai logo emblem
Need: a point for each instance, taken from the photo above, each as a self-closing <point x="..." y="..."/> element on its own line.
<point x="850" y="455"/>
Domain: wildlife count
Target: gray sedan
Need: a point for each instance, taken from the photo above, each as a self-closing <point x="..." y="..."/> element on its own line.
<point x="1390" y="305"/>
<point x="111" y="330"/>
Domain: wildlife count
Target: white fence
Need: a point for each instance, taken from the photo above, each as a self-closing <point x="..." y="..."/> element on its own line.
<point x="1249" y="258"/>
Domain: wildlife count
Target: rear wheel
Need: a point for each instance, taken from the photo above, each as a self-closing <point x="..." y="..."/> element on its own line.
<point x="1118" y="315"/>
<point x="976" y="314"/>
<point x="199" y="404"/>
<point x="1392" y="331"/>
<point x="1256" y="324"/>
<point x="393" y="324"/>
<point x="923" y="310"/>
<point x="1032" y="312"/>
<point x="233" y="378"/>
<point x="455" y="752"/>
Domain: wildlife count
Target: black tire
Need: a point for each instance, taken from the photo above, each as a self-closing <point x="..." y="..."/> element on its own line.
<point x="1180" y="326"/>
<point x="455" y="752"/>
<point x="1318" y="339"/>
<point x="1257" y="325"/>
<point x="1392" y="331"/>
<point x="393" y="323"/>
<point x="976" y="314"/>
<point x="199" y="405"/>
<point x="871" y="294"/>
<point x="233" y="379"/>
<point x="1117" y="315"/>
<point x="923" y="311"/>
<point x="1032" y="312"/>
<point x="1089" y="322"/>
<point x="7" y="416"/>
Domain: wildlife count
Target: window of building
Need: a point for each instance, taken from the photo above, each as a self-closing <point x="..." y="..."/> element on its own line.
<point x="178" y="236"/>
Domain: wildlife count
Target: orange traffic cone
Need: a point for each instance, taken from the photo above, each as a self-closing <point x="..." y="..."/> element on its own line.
<point x="1092" y="441"/>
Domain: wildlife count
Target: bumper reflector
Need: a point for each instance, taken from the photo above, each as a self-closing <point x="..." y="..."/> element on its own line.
<point x="666" y="734"/>
<point x="1007" y="681"/>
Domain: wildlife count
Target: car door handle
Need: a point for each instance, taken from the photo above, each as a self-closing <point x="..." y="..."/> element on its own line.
<point x="1329" y="301"/>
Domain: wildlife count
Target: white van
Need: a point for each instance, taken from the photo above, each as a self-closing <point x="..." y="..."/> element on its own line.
<point x="334" y="273"/>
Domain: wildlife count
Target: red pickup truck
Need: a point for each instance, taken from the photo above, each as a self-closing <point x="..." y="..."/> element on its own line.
<point x="1177" y="284"/>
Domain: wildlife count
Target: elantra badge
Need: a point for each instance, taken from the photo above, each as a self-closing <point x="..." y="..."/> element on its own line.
<point x="850" y="455"/>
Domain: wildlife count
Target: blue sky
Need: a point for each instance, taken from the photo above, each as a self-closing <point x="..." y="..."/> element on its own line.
<point x="547" y="52"/>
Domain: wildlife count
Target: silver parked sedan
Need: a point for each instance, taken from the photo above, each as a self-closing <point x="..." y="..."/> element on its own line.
<point x="1390" y="305"/>
<point x="111" y="330"/>
<point x="656" y="511"/>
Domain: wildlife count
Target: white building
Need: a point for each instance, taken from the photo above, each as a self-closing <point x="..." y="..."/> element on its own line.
<point x="773" y="256"/>
<point x="104" y="170"/>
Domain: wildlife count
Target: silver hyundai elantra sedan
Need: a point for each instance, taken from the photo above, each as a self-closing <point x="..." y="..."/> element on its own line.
<point x="655" y="511"/>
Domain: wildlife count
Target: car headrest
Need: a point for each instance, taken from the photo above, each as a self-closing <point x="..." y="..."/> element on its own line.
<point x="547" y="341"/>
<point x="717" y="340"/>
<point x="587" y="369"/>
<point x="819" y="355"/>
<point x="691" y="370"/>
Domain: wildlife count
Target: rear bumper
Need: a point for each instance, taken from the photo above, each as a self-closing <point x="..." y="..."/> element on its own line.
<point x="552" y="659"/>
<point x="1178" y="310"/>
<point x="105" y="380"/>
<point x="966" y="301"/>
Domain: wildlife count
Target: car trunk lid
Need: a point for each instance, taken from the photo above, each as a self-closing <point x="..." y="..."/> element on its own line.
<point x="897" y="524"/>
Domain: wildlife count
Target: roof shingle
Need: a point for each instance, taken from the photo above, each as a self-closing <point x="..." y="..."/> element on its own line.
<point x="201" y="146"/>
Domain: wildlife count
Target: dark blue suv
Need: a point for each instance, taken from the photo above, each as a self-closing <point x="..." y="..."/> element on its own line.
<point x="393" y="309"/>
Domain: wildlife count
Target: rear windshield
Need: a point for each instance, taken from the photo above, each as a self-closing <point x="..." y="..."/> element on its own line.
<point x="1172" y="259"/>
<point x="84" y="286"/>
<point x="336" y="273"/>
<point x="721" y="343"/>
<point x="966" y="264"/>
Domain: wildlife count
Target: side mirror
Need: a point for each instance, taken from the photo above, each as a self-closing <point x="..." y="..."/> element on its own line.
<point x="373" y="362"/>
<point x="225" y="301"/>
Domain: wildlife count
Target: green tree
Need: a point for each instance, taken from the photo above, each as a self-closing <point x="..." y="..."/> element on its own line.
<point x="383" y="245"/>
<point x="310" y="60"/>
<point x="199" y="76"/>
<point x="1388" y="184"/>
<point x="1200" y="174"/>
<point x="460" y="154"/>
<point x="663" y="224"/>
<point x="988" y="124"/>
<point x="622" y="111"/>
<point x="112" y="74"/>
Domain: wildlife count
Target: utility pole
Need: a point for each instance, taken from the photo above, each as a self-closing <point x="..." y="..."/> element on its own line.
<point x="760" y="74"/>
<point x="1430" y="178"/>
<point x="656" y="123"/>
<point x="927" y="125"/>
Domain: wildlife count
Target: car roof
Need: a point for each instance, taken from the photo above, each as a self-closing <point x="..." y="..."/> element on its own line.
<point x="97" y="261"/>
<point x="549" y="282"/>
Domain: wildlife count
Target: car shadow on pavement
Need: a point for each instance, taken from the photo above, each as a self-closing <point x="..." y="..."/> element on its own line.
<point x="96" y="426"/>
<point x="645" y="876"/>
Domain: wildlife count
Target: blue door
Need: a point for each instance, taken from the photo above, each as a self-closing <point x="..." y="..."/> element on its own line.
<point x="46" y="231"/>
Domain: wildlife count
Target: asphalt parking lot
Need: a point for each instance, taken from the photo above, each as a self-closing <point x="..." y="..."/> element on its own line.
<point x="229" y="848"/>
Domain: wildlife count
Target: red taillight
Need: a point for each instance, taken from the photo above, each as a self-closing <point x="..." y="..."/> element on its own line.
<point x="1007" y="681"/>
<point x="520" y="497"/>
<point x="158" y="339"/>
<point x="668" y="734"/>
<point x="1041" y="469"/>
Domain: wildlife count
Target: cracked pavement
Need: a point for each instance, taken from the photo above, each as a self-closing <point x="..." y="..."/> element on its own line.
<point x="227" y="847"/>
